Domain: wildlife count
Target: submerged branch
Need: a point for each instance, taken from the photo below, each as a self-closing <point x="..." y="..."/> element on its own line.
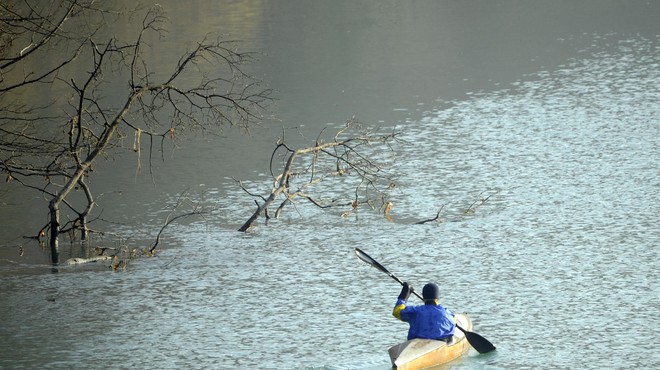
<point x="197" y="210"/>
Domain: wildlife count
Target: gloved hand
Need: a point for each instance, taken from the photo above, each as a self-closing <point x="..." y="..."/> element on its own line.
<point x="405" y="291"/>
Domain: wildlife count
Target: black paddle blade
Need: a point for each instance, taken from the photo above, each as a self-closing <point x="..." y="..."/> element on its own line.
<point x="479" y="343"/>
<point x="366" y="258"/>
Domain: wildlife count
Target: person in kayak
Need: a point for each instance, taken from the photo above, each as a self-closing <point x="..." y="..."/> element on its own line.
<point x="428" y="321"/>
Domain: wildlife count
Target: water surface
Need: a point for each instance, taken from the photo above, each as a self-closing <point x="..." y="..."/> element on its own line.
<point x="549" y="110"/>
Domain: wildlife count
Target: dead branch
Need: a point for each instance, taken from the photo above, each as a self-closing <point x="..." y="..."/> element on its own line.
<point x="352" y="152"/>
<point x="196" y="210"/>
<point x="436" y="218"/>
<point x="478" y="203"/>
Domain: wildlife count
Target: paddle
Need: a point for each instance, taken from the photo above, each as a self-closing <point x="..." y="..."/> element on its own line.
<point x="481" y="344"/>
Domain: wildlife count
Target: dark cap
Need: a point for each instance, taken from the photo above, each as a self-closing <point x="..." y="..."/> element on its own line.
<point x="430" y="292"/>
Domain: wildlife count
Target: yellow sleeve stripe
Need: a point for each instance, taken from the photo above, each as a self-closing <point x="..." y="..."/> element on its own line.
<point x="397" y="311"/>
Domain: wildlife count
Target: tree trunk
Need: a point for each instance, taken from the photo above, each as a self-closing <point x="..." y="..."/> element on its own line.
<point x="54" y="208"/>
<point x="77" y="176"/>
<point x="88" y="209"/>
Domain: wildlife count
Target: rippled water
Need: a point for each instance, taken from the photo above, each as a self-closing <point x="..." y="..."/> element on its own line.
<point x="558" y="268"/>
<point x="569" y="240"/>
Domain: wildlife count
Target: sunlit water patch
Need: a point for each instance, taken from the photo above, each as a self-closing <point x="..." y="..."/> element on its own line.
<point x="568" y="239"/>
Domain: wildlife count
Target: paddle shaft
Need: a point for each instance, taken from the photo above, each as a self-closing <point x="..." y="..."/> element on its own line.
<point x="481" y="344"/>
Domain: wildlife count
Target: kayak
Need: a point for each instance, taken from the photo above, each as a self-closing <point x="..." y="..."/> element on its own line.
<point x="423" y="353"/>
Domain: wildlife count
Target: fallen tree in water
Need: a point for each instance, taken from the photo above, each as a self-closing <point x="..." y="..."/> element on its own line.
<point x="353" y="152"/>
<point x="359" y="160"/>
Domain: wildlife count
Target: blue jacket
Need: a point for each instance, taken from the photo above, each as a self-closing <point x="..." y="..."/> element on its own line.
<point x="426" y="321"/>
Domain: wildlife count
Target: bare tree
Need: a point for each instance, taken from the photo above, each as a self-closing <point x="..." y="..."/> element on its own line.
<point x="57" y="50"/>
<point x="353" y="152"/>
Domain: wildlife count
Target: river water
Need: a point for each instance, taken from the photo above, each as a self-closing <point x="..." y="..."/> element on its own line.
<point x="547" y="109"/>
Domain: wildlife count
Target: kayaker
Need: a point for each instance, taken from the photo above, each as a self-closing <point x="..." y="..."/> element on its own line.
<point x="428" y="321"/>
